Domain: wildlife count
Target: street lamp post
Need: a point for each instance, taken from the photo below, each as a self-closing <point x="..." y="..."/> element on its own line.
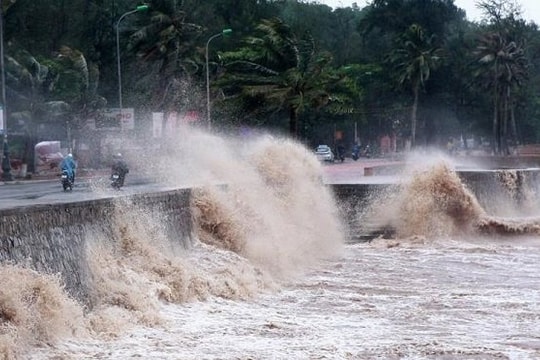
<point x="208" y="118"/>
<point x="6" y="165"/>
<point x="137" y="9"/>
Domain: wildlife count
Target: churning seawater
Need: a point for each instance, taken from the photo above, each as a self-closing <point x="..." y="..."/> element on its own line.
<point x="271" y="276"/>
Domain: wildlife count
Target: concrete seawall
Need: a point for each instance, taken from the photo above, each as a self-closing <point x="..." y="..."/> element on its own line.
<point x="501" y="192"/>
<point x="53" y="238"/>
<point x="353" y="200"/>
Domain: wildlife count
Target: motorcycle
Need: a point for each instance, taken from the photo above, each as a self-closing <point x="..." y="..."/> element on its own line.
<point x="341" y="153"/>
<point x="66" y="181"/>
<point x="367" y="152"/>
<point x="119" y="171"/>
<point x="355" y="152"/>
<point x="116" y="180"/>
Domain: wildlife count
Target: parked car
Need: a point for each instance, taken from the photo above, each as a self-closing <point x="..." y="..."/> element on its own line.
<point x="324" y="153"/>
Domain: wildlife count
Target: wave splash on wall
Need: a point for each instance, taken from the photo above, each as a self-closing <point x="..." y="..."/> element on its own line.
<point x="34" y="310"/>
<point x="432" y="201"/>
<point x="276" y="212"/>
<point x="261" y="215"/>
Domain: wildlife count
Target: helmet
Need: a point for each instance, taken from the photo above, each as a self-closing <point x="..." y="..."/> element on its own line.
<point x="70" y="155"/>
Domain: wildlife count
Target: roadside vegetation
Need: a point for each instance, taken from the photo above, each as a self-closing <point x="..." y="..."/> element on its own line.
<point x="416" y="70"/>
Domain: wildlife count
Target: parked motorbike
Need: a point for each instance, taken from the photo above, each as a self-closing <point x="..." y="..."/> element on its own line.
<point x="66" y="181"/>
<point x="355" y="152"/>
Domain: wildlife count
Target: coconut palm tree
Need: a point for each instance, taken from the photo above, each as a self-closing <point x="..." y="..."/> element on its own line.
<point x="77" y="86"/>
<point x="30" y="84"/>
<point x="277" y="72"/>
<point x="414" y="60"/>
<point x="167" y="43"/>
<point x="502" y="69"/>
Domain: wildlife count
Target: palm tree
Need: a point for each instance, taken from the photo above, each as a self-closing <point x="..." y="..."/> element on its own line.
<point x="30" y="84"/>
<point x="167" y="43"/>
<point x="502" y="68"/>
<point x="414" y="60"/>
<point x="77" y="86"/>
<point x="278" y="72"/>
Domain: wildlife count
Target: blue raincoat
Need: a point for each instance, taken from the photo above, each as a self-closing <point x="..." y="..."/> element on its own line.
<point x="68" y="164"/>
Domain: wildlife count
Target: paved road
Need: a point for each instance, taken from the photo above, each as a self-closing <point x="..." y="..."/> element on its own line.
<point x="24" y="193"/>
<point x="38" y="192"/>
<point x="352" y="172"/>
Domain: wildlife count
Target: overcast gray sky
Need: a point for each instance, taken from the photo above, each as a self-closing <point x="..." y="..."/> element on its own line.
<point x="530" y="8"/>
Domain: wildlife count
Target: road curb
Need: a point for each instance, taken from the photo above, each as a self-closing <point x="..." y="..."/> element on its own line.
<point x="95" y="175"/>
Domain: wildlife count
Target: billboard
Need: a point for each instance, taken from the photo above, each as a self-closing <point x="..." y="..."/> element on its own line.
<point x="115" y="118"/>
<point x="190" y="117"/>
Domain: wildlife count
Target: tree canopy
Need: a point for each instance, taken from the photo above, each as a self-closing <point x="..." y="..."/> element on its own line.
<point x="416" y="68"/>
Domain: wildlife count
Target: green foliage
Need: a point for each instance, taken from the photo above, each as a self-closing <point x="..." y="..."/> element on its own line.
<point x="396" y="16"/>
<point x="168" y="43"/>
<point x="284" y="74"/>
<point x="313" y="68"/>
<point x="502" y="68"/>
<point x="414" y="59"/>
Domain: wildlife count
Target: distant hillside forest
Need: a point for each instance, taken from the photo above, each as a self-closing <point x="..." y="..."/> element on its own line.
<point x="416" y="70"/>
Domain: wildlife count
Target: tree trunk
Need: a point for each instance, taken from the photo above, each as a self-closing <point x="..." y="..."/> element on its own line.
<point x="29" y="147"/>
<point x="28" y="153"/>
<point x="495" y="145"/>
<point x="513" y="123"/>
<point x="416" y="90"/>
<point x="293" y="122"/>
<point x="504" y="124"/>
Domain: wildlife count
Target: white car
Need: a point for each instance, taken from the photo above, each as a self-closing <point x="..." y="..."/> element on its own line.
<point x="324" y="153"/>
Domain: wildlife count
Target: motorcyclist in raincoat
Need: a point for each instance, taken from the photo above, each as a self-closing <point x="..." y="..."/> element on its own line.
<point x="120" y="167"/>
<point x="69" y="165"/>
